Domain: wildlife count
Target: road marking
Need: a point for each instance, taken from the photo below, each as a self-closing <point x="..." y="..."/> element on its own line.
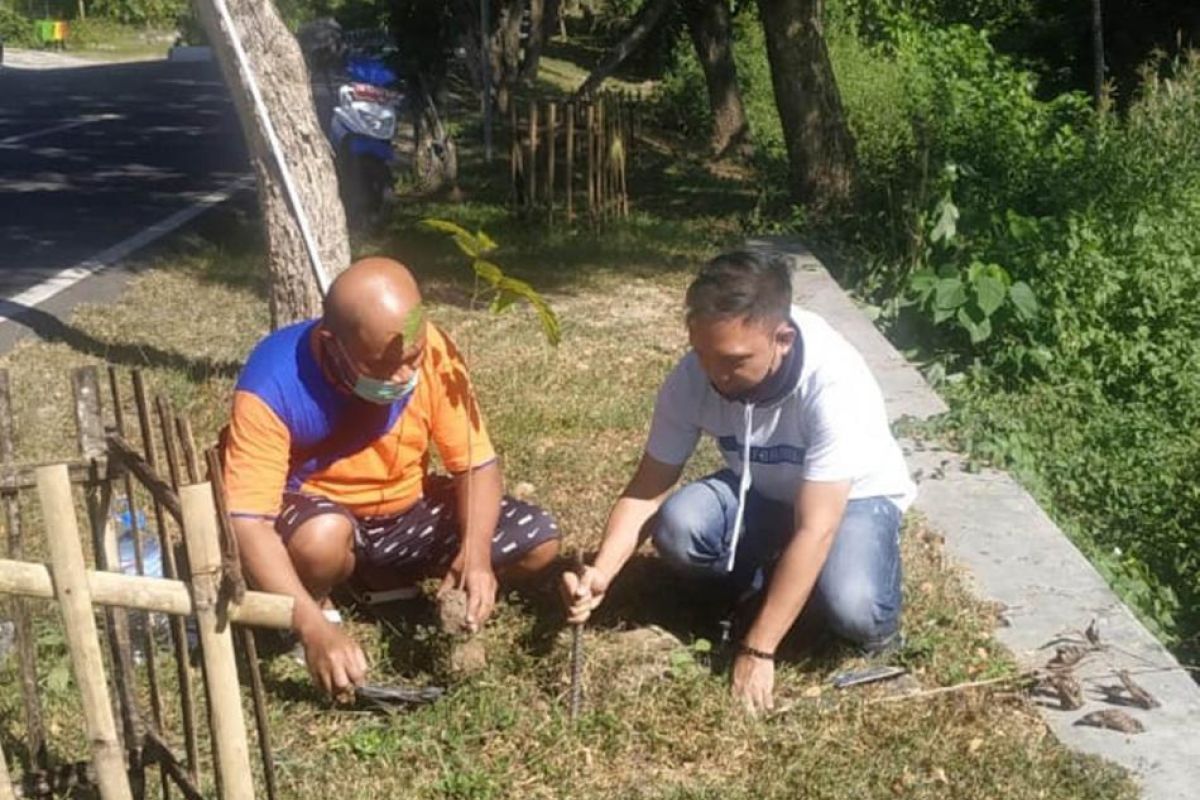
<point x="88" y="120"/>
<point x="13" y="307"/>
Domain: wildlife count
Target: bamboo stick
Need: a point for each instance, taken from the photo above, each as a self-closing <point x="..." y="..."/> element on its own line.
<point x="35" y="729"/>
<point x="531" y="169"/>
<point x="514" y="155"/>
<point x="159" y="595"/>
<point x="570" y="161"/>
<point x="89" y="425"/>
<point x="551" y="142"/>
<point x="187" y="443"/>
<point x="6" y="787"/>
<point x="246" y="636"/>
<point x="225" y="699"/>
<point x="591" y="159"/>
<point x="70" y="576"/>
<point x="158" y="751"/>
<point x="179" y="641"/>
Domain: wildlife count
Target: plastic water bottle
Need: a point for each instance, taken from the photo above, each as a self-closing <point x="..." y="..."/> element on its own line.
<point x="126" y="554"/>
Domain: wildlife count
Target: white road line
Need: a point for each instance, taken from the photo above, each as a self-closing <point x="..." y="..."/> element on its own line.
<point x="88" y="120"/>
<point x="89" y="266"/>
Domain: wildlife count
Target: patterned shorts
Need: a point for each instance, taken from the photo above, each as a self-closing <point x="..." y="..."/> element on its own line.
<point x="424" y="539"/>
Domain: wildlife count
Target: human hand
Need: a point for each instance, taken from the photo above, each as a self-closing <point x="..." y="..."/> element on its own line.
<point x="480" y="586"/>
<point x="335" y="661"/>
<point x="583" y="592"/>
<point x="754" y="682"/>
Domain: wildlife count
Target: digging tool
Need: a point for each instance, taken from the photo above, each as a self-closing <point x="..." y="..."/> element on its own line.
<point x="576" y="656"/>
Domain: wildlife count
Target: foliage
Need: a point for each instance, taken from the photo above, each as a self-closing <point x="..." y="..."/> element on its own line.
<point x="1043" y="258"/>
<point x="150" y="13"/>
<point x="15" y="29"/>
<point x="504" y="291"/>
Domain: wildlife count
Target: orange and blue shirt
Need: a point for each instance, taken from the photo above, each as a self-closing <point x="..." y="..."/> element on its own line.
<point x="293" y="430"/>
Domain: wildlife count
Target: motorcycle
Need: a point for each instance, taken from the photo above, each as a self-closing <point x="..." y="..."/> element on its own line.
<point x="364" y="122"/>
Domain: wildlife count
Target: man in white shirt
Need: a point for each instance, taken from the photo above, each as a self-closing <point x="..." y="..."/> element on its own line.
<point x="816" y="513"/>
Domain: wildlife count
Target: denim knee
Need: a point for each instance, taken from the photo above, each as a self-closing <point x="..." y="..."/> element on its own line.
<point x="688" y="534"/>
<point x="856" y="612"/>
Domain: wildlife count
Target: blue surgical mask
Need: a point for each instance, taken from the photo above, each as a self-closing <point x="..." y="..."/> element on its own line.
<point x="384" y="393"/>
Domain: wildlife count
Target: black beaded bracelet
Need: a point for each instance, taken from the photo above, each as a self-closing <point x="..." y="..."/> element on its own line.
<point x="746" y="650"/>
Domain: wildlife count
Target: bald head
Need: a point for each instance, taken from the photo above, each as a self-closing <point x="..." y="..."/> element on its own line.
<point x="374" y="310"/>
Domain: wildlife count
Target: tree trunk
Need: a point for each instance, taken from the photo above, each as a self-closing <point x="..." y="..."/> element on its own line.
<point x="1097" y="54"/>
<point x="505" y="45"/>
<point x="533" y="45"/>
<point x="819" y="145"/>
<point x="282" y="79"/>
<point x="647" y="19"/>
<point x="709" y="24"/>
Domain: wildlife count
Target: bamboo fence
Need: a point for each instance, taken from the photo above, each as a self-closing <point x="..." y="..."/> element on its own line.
<point x="201" y="579"/>
<point x="570" y="158"/>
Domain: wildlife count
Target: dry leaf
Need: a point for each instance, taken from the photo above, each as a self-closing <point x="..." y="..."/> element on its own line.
<point x="1093" y="633"/>
<point x="974" y="745"/>
<point x="1067" y="656"/>
<point x="1140" y="696"/>
<point x="1113" y="720"/>
<point x="812" y="691"/>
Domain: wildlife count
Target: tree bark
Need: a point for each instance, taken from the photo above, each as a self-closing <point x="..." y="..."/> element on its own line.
<point x="533" y="45"/>
<point x="282" y="79"/>
<point x="647" y="19"/>
<point x="710" y="27"/>
<point x="819" y="145"/>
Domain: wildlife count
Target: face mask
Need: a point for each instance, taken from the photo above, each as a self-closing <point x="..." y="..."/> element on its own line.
<point x="384" y="393"/>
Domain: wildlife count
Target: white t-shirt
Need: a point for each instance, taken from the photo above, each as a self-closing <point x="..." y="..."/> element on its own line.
<point x="830" y="426"/>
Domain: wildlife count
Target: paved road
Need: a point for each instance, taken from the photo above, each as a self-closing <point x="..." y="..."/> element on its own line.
<point x="92" y="156"/>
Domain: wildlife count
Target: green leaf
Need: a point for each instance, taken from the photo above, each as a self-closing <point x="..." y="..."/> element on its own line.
<point x="488" y="272"/>
<point x="947" y="221"/>
<point x="1024" y="300"/>
<point x="989" y="294"/>
<point x="546" y="315"/>
<point x="467" y="242"/>
<point x="702" y="646"/>
<point x="978" y="330"/>
<point x="950" y="293"/>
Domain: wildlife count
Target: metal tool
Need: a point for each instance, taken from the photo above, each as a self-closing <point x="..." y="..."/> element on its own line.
<point x="844" y="680"/>
<point x="387" y="698"/>
<point x="576" y="656"/>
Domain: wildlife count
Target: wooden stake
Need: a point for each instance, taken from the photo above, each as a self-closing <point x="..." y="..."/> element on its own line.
<point x="246" y="637"/>
<point x="224" y="695"/>
<point x="514" y="155"/>
<point x="551" y="136"/>
<point x="570" y="162"/>
<point x="179" y="641"/>
<point x="6" y="787"/>
<point x="160" y="595"/>
<point x="70" y="578"/>
<point x="591" y="159"/>
<point x="531" y="175"/>
<point x="22" y="624"/>
<point x="85" y="384"/>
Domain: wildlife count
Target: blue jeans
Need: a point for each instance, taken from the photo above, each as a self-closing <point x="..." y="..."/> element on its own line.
<point x="858" y="589"/>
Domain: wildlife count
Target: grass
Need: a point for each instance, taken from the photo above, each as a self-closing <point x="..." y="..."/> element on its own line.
<point x="570" y="423"/>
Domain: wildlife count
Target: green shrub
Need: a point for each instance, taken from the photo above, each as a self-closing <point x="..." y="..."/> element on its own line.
<point x="15" y="29"/>
<point x="1047" y="259"/>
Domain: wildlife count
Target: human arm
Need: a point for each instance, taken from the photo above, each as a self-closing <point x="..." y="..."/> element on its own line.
<point x="819" y="508"/>
<point x="334" y="659"/>
<point x="477" y="495"/>
<point x="643" y="496"/>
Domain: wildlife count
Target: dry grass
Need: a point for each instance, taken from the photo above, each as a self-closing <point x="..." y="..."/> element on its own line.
<point x="570" y="422"/>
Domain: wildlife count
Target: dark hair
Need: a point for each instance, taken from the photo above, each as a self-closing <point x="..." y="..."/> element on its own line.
<point x="742" y="283"/>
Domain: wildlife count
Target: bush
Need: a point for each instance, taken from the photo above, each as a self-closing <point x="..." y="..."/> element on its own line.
<point x="149" y="13"/>
<point x="1046" y="260"/>
<point x="15" y="29"/>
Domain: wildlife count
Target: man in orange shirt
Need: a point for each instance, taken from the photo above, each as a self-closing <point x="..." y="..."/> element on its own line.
<point x="327" y="457"/>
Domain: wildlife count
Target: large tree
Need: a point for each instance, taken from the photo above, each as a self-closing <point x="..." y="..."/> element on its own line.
<point x="282" y="79"/>
<point x="819" y="145"/>
<point x="711" y="31"/>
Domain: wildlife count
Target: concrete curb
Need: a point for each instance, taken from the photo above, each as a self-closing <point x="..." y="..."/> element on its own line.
<point x="1015" y="555"/>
